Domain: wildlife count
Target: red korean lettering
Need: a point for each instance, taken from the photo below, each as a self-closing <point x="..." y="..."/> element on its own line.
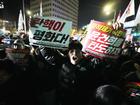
<point x="56" y="26"/>
<point x="34" y="22"/>
<point x="62" y="27"/>
<point x="49" y="24"/>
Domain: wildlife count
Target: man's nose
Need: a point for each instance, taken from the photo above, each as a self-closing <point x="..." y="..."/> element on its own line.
<point x="74" y="52"/>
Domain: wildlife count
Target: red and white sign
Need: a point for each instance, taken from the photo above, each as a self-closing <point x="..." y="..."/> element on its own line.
<point x="102" y="40"/>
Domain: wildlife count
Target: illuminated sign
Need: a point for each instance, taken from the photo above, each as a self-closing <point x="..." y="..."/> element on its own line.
<point x="102" y="40"/>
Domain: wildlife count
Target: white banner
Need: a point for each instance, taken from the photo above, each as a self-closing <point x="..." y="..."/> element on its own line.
<point x="50" y="32"/>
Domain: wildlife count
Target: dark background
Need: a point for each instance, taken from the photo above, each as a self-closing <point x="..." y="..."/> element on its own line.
<point x="88" y="9"/>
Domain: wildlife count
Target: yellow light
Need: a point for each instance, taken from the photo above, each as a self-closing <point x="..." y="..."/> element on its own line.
<point x="108" y="8"/>
<point x="29" y="12"/>
<point x="109" y="23"/>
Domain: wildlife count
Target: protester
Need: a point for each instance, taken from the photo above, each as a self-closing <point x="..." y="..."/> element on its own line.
<point x="14" y="88"/>
<point x="76" y="77"/>
<point x="132" y="79"/>
<point x="109" y="95"/>
<point x="48" y="61"/>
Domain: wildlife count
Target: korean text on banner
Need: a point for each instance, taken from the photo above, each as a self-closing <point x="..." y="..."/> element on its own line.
<point x="50" y="32"/>
<point x="19" y="56"/>
<point x="103" y="41"/>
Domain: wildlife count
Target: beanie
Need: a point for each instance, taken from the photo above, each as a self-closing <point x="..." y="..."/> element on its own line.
<point x="75" y="44"/>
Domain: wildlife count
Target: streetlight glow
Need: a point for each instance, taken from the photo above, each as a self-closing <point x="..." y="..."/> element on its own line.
<point x="109" y="23"/>
<point x="107" y="12"/>
<point x="29" y="12"/>
<point x="108" y="8"/>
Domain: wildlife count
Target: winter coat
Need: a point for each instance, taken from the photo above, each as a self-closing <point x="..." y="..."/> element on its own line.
<point x="76" y="82"/>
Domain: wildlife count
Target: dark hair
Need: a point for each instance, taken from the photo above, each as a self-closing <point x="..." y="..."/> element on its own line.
<point x="109" y="95"/>
<point x="75" y="44"/>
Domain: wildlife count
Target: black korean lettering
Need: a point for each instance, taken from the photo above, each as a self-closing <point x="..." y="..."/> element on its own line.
<point x="49" y="36"/>
<point x="64" y="38"/>
<point x="57" y="38"/>
<point x="38" y="34"/>
<point x="61" y="38"/>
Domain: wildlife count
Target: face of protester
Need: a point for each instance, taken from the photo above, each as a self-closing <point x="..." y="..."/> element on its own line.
<point x="75" y="56"/>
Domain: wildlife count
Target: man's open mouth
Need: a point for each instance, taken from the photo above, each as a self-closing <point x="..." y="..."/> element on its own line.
<point x="74" y="58"/>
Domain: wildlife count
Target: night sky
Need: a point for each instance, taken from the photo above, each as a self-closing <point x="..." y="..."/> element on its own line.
<point x="88" y="9"/>
<point x="92" y="9"/>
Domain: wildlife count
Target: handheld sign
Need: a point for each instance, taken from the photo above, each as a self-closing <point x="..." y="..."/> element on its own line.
<point x="102" y="40"/>
<point x="50" y="32"/>
<point x="18" y="56"/>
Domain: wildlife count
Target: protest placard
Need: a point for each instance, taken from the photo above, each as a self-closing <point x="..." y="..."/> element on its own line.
<point x="102" y="40"/>
<point x="18" y="56"/>
<point x="50" y="32"/>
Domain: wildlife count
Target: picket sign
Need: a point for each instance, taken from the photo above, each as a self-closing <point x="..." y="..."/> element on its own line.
<point x="50" y="32"/>
<point x="102" y="40"/>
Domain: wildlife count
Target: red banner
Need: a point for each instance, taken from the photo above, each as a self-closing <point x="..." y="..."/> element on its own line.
<point x="102" y="40"/>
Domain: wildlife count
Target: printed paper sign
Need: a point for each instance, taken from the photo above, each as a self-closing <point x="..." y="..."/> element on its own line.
<point x="102" y="40"/>
<point x="19" y="56"/>
<point x="50" y="32"/>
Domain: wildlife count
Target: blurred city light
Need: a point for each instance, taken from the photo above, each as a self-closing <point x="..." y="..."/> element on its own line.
<point x="108" y="8"/>
<point x="29" y="12"/>
<point x="109" y="22"/>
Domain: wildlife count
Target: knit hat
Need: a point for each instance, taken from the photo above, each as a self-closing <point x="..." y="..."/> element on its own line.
<point x="75" y="44"/>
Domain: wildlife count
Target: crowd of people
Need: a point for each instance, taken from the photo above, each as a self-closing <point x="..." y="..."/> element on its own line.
<point x="48" y="76"/>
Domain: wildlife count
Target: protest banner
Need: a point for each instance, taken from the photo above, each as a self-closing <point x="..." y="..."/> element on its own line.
<point x="50" y="32"/>
<point x="18" y="56"/>
<point x="102" y="40"/>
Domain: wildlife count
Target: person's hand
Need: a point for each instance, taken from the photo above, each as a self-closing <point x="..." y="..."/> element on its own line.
<point x="117" y="25"/>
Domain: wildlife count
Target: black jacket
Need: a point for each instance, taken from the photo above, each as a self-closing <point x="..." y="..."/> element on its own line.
<point x="76" y="83"/>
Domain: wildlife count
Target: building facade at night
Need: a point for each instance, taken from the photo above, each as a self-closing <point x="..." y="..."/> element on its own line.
<point x="66" y="9"/>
